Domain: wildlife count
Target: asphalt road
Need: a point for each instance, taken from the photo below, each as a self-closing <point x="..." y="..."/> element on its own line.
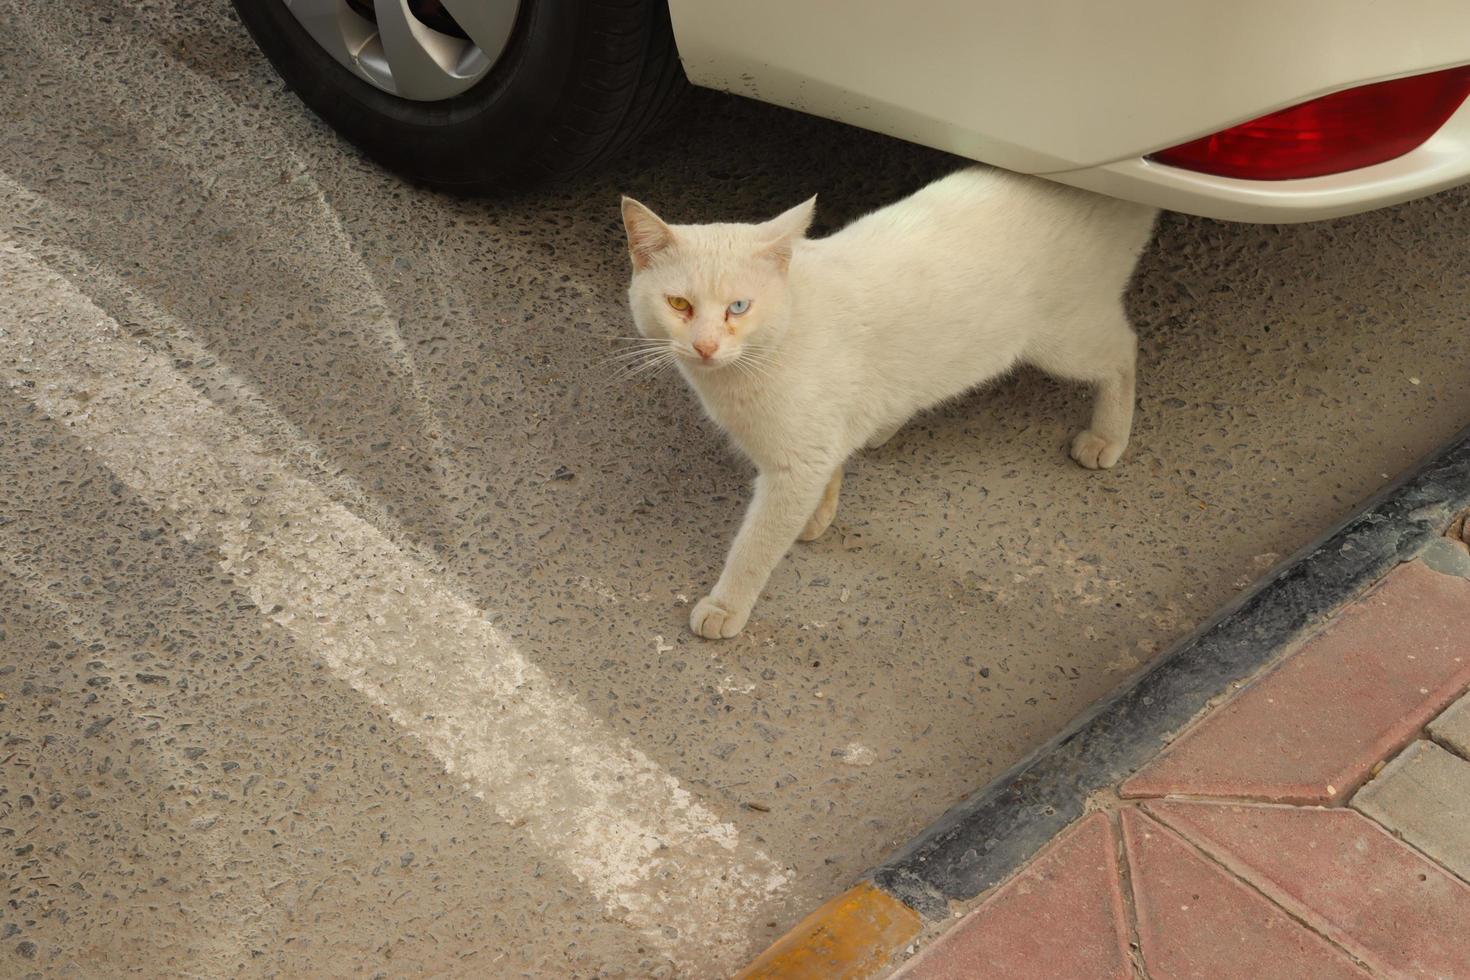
<point x="343" y="593"/>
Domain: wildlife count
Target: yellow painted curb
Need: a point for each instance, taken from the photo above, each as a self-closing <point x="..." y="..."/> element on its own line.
<point x="851" y="936"/>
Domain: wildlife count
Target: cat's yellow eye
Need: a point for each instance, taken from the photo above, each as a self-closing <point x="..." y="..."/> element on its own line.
<point x="680" y="303"/>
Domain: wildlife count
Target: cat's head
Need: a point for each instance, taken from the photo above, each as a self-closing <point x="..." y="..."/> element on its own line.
<point x="715" y="292"/>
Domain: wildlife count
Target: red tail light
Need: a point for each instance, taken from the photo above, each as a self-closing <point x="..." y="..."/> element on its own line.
<point x="1342" y="131"/>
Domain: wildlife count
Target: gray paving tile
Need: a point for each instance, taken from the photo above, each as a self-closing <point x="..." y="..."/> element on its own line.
<point x="1452" y="728"/>
<point x="1424" y="797"/>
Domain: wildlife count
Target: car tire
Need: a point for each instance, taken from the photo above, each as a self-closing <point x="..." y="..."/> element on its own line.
<point x="577" y="81"/>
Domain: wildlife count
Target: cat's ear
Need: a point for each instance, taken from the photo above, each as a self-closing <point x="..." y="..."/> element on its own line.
<point x="647" y="233"/>
<point x="786" y="229"/>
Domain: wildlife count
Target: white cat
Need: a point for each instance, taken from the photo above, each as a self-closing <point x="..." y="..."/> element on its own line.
<point x="806" y="350"/>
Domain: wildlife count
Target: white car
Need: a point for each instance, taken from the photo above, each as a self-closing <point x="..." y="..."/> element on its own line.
<point x="1251" y="110"/>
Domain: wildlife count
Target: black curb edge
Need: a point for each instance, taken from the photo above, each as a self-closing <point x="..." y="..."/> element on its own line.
<point x="978" y="843"/>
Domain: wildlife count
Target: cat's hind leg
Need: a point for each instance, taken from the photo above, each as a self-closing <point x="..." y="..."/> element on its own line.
<point x="821" y="518"/>
<point x="882" y="436"/>
<point x="1105" y="357"/>
<point x="1101" y="444"/>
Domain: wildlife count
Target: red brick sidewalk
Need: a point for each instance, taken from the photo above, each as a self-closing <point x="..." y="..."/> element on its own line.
<point x="1314" y="823"/>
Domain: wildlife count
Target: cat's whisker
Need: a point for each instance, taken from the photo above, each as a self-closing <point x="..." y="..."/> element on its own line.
<point x="648" y="355"/>
<point x="751" y="368"/>
<point x="641" y="342"/>
<point x="637" y="370"/>
<point x="632" y="355"/>
<point x="645" y="345"/>
<point x="757" y="371"/>
<point x="755" y="364"/>
<point x="650" y="371"/>
<point x="651" y="364"/>
<point x="636" y="354"/>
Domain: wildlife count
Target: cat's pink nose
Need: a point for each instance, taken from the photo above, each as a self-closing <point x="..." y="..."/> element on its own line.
<point x="706" y="348"/>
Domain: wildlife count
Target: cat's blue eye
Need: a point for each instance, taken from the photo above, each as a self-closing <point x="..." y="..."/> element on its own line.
<point x="738" y="307"/>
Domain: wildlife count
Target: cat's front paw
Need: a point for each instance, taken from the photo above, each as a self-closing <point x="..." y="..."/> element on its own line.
<point x="714" y="621"/>
<point x="1094" y="452"/>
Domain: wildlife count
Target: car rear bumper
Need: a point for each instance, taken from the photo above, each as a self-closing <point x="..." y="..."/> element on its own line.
<point x="1442" y="161"/>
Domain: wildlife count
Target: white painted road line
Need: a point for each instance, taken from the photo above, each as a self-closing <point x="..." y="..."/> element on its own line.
<point x="656" y="857"/>
<point x="270" y="196"/>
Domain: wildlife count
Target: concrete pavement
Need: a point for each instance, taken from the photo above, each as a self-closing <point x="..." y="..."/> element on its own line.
<point x="224" y="333"/>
